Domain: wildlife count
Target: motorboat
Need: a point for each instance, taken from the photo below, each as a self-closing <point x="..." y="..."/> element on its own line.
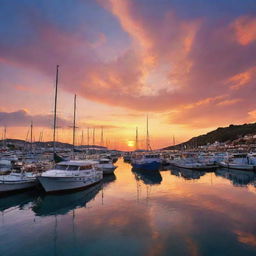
<point x="69" y="175"/>
<point x="147" y="162"/>
<point x="9" y="156"/>
<point x="195" y="162"/>
<point x="173" y="159"/>
<point x="17" y="181"/>
<point x="240" y="161"/>
<point x="106" y="166"/>
<point x="5" y="166"/>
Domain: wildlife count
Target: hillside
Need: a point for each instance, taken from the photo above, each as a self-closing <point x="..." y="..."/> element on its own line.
<point x="222" y="134"/>
<point x="47" y="144"/>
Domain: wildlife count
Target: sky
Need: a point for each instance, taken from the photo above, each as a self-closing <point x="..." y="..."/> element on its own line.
<point x="190" y="65"/>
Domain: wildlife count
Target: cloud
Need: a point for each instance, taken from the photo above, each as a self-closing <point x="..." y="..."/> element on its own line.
<point x="173" y="62"/>
<point x="245" y="30"/>
<point x="22" y="118"/>
<point x="242" y="79"/>
<point x="213" y="112"/>
<point x="246" y="238"/>
<point x="229" y="102"/>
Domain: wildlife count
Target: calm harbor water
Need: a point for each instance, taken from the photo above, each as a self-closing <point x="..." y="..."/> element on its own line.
<point x="172" y="212"/>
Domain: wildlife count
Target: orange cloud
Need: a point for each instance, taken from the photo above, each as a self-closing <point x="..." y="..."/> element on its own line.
<point x="206" y="112"/>
<point x="242" y="79"/>
<point x="252" y="115"/>
<point x="205" y="101"/>
<point x="245" y="30"/>
<point x="228" y="102"/>
<point x="172" y="63"/>
<point x="246" y="238"/>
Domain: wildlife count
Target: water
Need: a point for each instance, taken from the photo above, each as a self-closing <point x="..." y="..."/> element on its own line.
<point x="165" y="213"/>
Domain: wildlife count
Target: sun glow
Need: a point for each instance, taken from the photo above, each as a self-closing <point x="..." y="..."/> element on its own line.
<point x="130" y="143"/>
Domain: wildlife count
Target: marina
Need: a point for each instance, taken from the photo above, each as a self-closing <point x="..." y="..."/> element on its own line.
<point x="128" y="128"/>
<point x="171" y="211"/>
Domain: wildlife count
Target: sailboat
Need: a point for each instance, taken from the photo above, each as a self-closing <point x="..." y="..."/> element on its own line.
<point x="148" y="161"/>
<point x="72" y="174"/>
<point x="16" y="180"/>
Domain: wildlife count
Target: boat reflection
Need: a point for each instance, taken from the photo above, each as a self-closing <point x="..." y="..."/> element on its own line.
<point x="148" y="177"/>
<point x="60" y="204"/>
<point x="237" y="177"/>
<point x="108" y="179"/>
<point x="17" y="200"/>
<point x="187" y="174"/>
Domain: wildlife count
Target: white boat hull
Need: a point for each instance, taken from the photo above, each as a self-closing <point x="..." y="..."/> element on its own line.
<point x="108" y="168"/>
<point x="238" y="166"/>
<point x="12" y="186"/>
<point x="54" y="184"/>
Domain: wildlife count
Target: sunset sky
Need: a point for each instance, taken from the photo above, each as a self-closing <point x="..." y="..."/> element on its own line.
<point x="189" y="64"/>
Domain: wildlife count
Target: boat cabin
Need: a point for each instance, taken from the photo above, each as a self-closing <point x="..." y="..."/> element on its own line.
<point x="75" y="165"/>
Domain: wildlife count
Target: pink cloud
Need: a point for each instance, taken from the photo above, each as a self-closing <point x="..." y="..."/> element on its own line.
<point x="242" y="79"/>
<point x="198" y="58"/>
<point x="245" y="30"/>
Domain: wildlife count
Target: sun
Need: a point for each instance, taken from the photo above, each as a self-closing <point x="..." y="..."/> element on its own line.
<point x="130" y="143"/>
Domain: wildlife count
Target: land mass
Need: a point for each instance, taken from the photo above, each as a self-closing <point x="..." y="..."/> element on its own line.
<point x="230" y="134"/>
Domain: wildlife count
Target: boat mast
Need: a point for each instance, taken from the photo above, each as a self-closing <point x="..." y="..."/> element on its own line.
<point x="4" y="137"/>
<point x="102" y="139"/>
<point x="136" y="140"/>
<point x="147" y="140"/>
<point x="74" y="125"/>
<point x="55" y="109"/>
<point x="42" y="136"/>
<point x="88" y="136"/>
<point x="82" y="138"/>
<point x="31" y="137"/>
<point x="93" y="136"/>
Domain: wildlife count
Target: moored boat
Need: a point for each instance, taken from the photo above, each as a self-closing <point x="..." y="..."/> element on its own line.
<point x="5" y="166"/>
<point x="195" y="162"/>
<point x="239" y="161"/>
<point x="70" y="175"/>
<point x="17" y="181"/>
<point x="106" y="166"/>
<point x="147" y="162"/>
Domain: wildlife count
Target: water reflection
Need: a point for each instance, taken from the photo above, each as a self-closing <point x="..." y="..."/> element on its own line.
<point x="238" y="178"/>
<point x="108" y="179"/>
<point x="17" y="200"/>
<point x="143" y="214"/>
<point x="187" y="174"/>
<point x="148" y="177"/>
<point x="61" y="204"/>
